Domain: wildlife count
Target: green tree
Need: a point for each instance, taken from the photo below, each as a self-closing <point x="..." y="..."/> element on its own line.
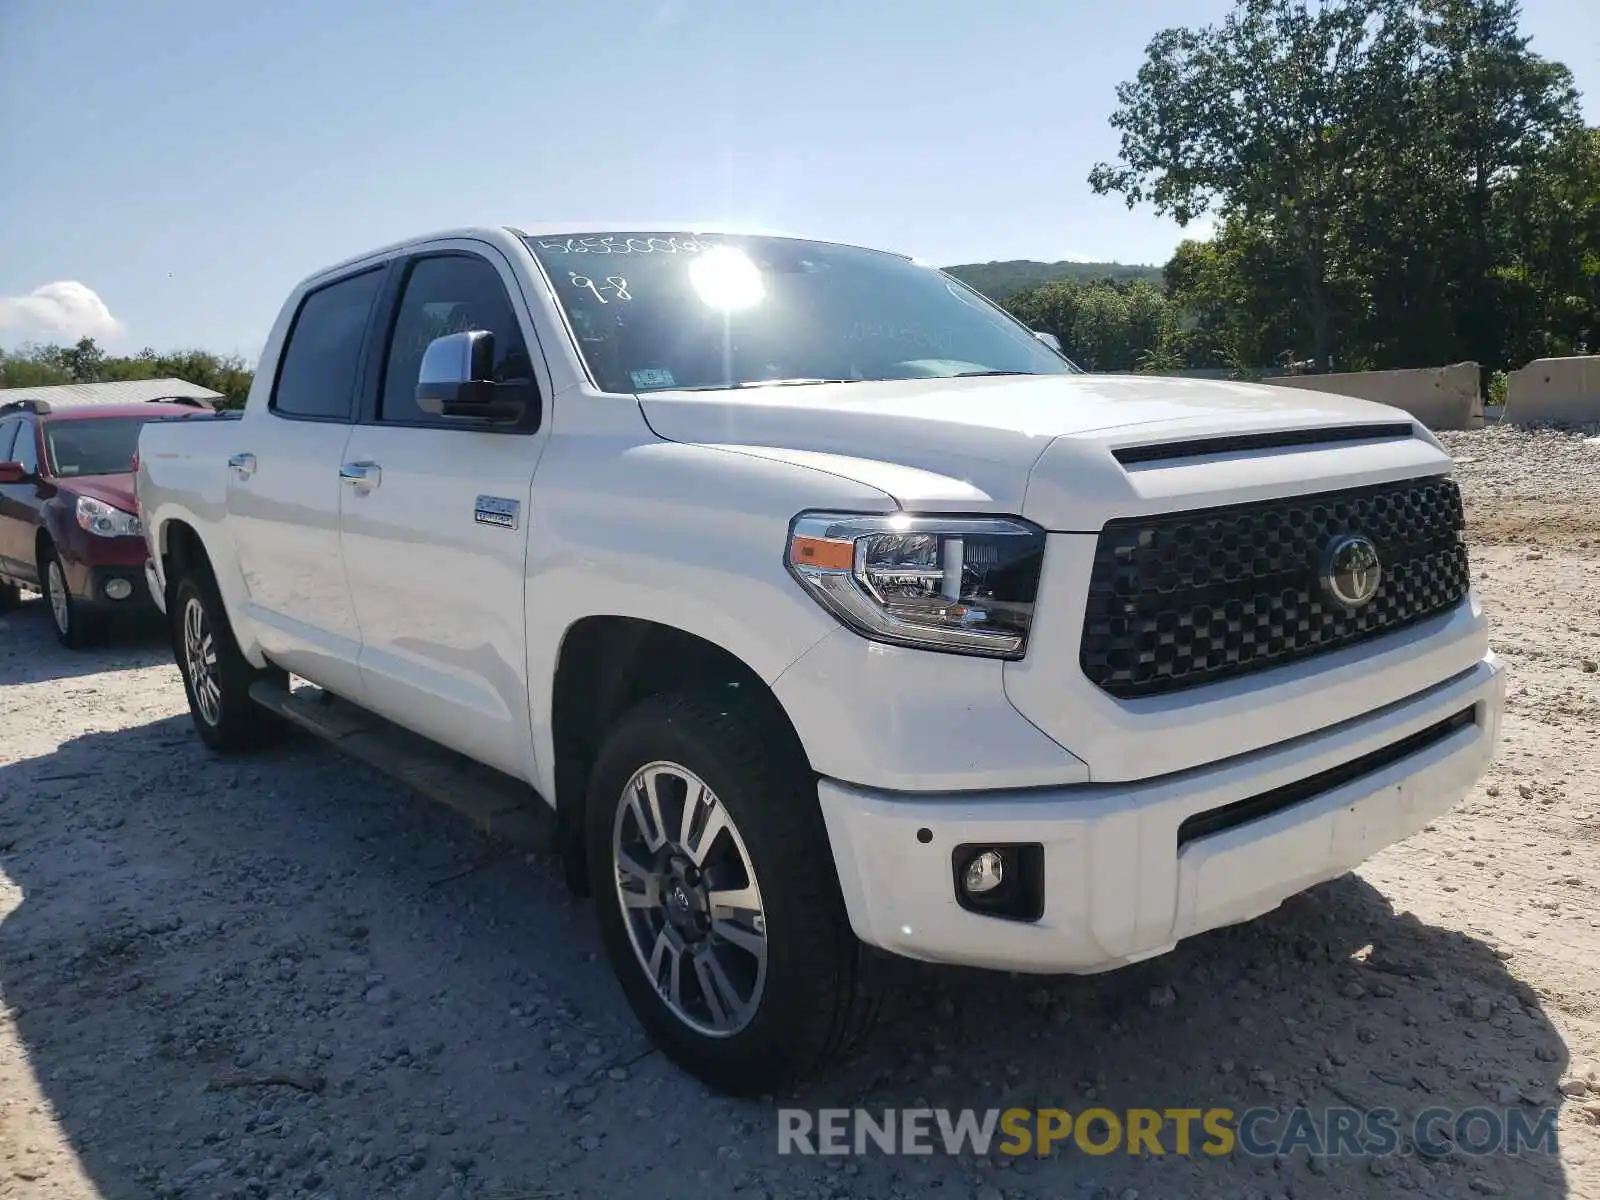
<point x="1104" y="324"/>
<point x="31" y="366"/>
<point x="84" y="361"/>
<point x="1237" y="295"/>
<point x="1273" y="118"/>
<point x="1492" y="111"/>
<point x="1549" y="280"/>
<point x="1401" y="183"/>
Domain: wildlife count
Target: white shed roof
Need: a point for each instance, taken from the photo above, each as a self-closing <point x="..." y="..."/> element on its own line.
<point x="132" y="391"/>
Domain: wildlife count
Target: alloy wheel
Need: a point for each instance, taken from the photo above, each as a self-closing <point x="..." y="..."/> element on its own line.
<point x="200" y="659"/>
<point x="690" y="899"/>
<point x="55" y="586"/>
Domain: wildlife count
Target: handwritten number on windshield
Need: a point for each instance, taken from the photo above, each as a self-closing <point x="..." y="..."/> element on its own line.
<point x="614" y="245"/>
<point x="615" y="284"/>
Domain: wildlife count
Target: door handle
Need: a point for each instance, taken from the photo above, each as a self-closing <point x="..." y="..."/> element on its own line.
<point x="361" y="475"/>
<point x="244" y="463"/>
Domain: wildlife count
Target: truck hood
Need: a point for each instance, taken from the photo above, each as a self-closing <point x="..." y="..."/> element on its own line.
<point x="1046" y="446"/>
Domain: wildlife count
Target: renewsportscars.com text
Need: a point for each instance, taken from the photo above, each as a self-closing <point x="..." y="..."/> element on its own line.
<point x="1259" y="1132"/>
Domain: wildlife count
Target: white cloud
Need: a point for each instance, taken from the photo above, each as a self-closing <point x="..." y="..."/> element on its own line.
<point x="64" y="309"/>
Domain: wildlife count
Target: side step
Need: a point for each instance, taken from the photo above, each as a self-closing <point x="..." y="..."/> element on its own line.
<point x="496" y="803"/>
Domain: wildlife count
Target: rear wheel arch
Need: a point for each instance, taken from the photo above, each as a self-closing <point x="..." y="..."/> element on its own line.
<point x="606" y="666"/>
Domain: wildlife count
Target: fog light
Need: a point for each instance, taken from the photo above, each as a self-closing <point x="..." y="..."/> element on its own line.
<point x="984" y="873"/>
<point x="118" y="589"/>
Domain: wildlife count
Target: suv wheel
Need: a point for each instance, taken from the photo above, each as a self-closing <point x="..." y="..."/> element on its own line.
<point x="75" y="628"/>
<point x="717" y="896"/>
<point x="216" y="675"/>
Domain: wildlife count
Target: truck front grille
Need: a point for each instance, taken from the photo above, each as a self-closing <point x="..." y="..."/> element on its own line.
<point x="1192" y="598"/>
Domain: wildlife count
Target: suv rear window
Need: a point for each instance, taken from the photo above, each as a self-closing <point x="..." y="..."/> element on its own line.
<point x="317" y="370"/>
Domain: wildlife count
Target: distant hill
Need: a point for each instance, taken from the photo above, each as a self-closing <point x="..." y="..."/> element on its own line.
<point x="999" y="280"/>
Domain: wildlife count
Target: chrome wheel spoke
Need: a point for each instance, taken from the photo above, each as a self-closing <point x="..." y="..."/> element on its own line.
<point x="722" y="998"/>
<point x="703" y="822"/>
<point x="636" y="883"/>
<point x="668" y="954"/>
<point x="754" y="941"/>
<point x="645" y="804"/>
<point x="726" y="901"/>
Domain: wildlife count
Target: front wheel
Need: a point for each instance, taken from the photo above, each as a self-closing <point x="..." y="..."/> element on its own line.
<point x="75" y="627"/>
<point x="216" y="675"/>
<point x="717" y="895"/>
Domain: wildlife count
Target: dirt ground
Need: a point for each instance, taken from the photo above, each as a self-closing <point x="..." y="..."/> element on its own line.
<point x="286" y="976"/>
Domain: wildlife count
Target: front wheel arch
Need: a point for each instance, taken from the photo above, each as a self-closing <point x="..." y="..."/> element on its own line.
<point x="606" y="666"/>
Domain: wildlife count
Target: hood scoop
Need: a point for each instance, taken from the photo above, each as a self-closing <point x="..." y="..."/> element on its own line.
<point x="1276" y="439"/>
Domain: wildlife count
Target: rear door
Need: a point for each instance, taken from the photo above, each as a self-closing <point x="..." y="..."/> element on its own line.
<point x="284" y="491"/>
<point x="434" y="516"/>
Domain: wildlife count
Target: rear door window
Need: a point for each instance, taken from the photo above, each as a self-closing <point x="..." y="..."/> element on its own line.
<point x="317" y="371"/>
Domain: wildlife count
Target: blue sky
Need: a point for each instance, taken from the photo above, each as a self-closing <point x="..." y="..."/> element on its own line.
<point x="184" y="162"/>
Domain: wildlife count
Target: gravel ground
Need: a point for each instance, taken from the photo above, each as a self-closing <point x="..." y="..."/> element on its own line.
<point x="287" y="976"/>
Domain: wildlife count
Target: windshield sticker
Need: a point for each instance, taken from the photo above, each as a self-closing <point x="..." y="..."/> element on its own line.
<point x="612" y="244"/>
<point x="653" y="377"/>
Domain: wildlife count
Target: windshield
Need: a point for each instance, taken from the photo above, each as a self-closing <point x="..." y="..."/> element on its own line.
<point x="92" y="445"/>
<point x="659" y="311"/>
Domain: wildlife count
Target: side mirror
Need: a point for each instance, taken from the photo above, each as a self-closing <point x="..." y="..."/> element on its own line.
<point x="456" y="380"/>
<point x="1049" y="339"/>
<point x="12" y="472"/>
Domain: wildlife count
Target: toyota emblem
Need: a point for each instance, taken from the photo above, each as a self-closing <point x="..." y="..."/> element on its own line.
<point x="1351" y="571"/>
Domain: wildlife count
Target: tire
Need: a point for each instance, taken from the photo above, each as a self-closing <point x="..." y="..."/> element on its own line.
<point x="216" y="677"/>
<point x="10" y="597"/>
<point x="76" y="629"/>
<point x="789" y="990"/>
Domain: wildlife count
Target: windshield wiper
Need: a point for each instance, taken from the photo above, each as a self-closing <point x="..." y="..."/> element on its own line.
<point x="977" y="374"/>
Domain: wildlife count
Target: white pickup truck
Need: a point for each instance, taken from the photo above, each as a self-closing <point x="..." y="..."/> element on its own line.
<point x="828" y="608"/>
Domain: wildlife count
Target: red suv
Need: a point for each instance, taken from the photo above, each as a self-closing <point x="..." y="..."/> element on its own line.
<point x="67" y="515"/>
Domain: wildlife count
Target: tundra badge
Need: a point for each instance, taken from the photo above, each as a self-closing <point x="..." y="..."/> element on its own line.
<point x="496" y="510"/>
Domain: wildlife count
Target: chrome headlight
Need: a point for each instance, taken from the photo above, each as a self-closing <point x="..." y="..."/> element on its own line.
<point x="963" y="584"/>
<point x="103" y="520"/>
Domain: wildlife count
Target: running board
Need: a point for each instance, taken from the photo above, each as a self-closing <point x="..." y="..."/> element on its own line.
<point x="496" y="803"/>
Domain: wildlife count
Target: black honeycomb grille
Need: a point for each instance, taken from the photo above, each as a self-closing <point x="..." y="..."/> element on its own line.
<point x="1196" y="597"/>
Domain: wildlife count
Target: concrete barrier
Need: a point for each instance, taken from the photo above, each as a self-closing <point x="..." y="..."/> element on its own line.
<point x="1566" y="390"/>
<point x="1439" y="397"/>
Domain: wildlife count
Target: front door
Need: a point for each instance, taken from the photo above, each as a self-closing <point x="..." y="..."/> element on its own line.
<point x="284" y="490"/>
<point x="435" y="523"/>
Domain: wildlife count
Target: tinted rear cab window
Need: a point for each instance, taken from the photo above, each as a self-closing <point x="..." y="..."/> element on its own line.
<point x="317" y="370"/>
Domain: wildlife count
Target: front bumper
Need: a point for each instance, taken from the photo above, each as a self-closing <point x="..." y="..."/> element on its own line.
<point x="1118" y="886"/>
<point x="154" y="585"/>
<point x="90" y="589"/>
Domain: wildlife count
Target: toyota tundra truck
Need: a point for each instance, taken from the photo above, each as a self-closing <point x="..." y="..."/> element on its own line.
<point x="826" y="610"/>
